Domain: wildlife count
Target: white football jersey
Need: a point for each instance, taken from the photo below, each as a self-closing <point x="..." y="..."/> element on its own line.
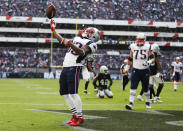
<point x="177" y="66"/>
<point x="71" y="56"/>
<point x="140" y="55"/>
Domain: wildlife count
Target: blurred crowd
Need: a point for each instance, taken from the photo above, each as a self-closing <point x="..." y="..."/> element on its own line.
<point x="146" y="10"/>
<point x="13" y="58"/>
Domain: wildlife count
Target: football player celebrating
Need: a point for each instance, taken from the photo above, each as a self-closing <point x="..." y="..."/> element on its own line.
<point x="89" y="65"/>
<point x="155" y="76"/>
<point x="124" y="75"/>
<point x="141" y="56"/>
<point x="103" y="77"/>
<point x="80" y="47"/>
<point x="176" y="71"/>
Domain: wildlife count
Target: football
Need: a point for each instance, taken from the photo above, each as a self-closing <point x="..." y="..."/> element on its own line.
<point x="50" y="11"/>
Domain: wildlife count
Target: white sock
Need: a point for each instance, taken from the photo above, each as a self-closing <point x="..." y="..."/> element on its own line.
<point x="70" y="102"/>
<point x="175" y="85"/>
<point x="132" y="95"/>
<point x="147" y="96"/>
<point x="78" y="104"/>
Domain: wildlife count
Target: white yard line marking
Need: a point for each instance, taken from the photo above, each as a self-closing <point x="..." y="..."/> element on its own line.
<point x="30" y="85"/>
<point x="27" y="104"/>
<point x="86" y="104"/>
<point x="159" y="113"/>
<point x="175" y="123"/>
<point x="38" y="87"/>
<point x="149" y="112"/>
<point x="89" y="116"/>
<point x="47" y="93"/>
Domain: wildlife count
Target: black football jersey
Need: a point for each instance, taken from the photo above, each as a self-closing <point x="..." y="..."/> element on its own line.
<point x="103" y="79"/>
<point x="154" y="67"/>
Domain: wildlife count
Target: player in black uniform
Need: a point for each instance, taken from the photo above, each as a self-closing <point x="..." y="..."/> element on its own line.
<point x="155" y="76"/>
<point x="89" y="65"/>
<point x="124" y="76"/>
<point x="103" y="77"/>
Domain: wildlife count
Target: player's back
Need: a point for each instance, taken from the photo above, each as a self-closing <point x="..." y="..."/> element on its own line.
<point x="140" y="55"/>
<point x="71" y="58"/>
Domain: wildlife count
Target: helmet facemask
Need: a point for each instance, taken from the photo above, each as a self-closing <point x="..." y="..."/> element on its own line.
<point x="140" y="39"/>
<point x="140" y="42"/>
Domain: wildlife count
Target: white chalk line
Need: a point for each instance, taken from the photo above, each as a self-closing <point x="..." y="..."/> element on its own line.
<point x="47" y="93"/>
<point x="175" y="123"/>
<point x="84" y="104"/>
<point x="88" y="116"/>
<point x="160" y="113"/>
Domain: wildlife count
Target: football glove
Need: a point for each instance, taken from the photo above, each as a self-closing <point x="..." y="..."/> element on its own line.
<point x="53" y="25"/>
<point x="147" y="63"/>
<point x="126" y="68"/>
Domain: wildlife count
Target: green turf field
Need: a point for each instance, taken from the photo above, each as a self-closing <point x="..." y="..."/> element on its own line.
<point x="35" y="105"/>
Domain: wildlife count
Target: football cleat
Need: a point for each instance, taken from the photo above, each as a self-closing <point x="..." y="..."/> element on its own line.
<point x="74" y="118"/>
<point x="157" y="99"/>
<point x="139" y="97"/>
<point x="129" y="107"/>
<point x="148" y="106"/>
<point x="152" y="101"/>
<point x="79" y="121"/>
<point x="85" y="92"/>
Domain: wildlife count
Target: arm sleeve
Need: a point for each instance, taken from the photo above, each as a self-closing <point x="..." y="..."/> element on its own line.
<point x="92" y="45"/>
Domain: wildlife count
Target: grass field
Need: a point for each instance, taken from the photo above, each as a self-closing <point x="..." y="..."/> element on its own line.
<point x="35" y="105"/>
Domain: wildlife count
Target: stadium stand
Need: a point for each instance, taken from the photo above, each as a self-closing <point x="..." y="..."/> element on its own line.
<point x="37" y="60"/>
<point x="98" y="9"/>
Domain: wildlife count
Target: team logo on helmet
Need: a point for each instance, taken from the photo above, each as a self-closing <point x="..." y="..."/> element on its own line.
<point x="91" y="33"/>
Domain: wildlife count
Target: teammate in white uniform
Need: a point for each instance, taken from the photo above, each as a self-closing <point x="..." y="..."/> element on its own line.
<point x="72" y="67"/>
<point x="141" y="56"/>
<point x="155" y="76"/>
<point x="176" y="71"/>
